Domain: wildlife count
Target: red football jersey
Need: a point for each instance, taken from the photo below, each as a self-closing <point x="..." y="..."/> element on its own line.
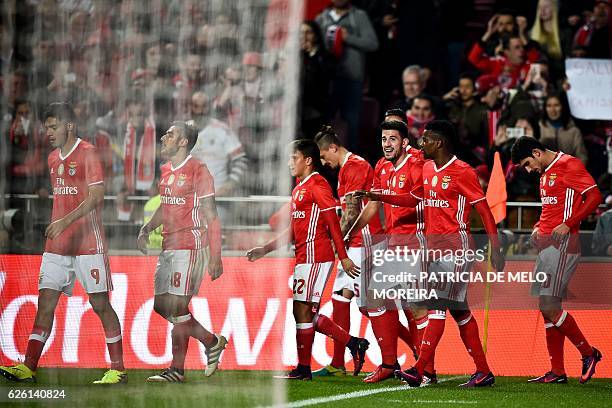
<point x="402" y="180"/>
<point x="71" y="177"/>
<point x="357" y="174"/>
<point x="561" y="186"/>
<point x="181" y="190"/>
<point x="448" y="194"/>
<point x="383" y="166"/>
<point x="309" y="198"/>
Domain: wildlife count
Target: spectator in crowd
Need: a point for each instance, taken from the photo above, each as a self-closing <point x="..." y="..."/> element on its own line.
<point x="348" y="35"/>
<point x="546" y="32"/>
<point x="27" y="150"/>
<point x="230" y="97"/>
<point x="594" y="35"/>
<point x="412" y="85"/>
<point x="187" y="80"/>
<point x="152" y="58"/>
<point x="218" y="147"/>
<point x="419" y="115"/>
<point x="558" y="131"/>
<point x="470" y="118"/>
<point x="253" y="67"/>
<point x="414" y="80"/>
<point x="314" y="79"/>
<point x="537" y="84"/>
<point x="510" y="68"/>
<point x="139" y="148"/>
<point x="85" y="122"/>
<point x="499" y="27"/>
<point x="602" y="236"/>
<point x="43" y="51"/>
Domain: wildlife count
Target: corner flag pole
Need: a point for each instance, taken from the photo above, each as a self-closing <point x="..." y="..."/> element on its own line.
<point x="496" y="199"/>
<point x="485" y="330"/>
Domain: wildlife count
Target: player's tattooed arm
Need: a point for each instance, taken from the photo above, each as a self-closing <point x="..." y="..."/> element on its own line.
<point x="350" y="214"/>
<point x="95" y="197"/>
<point x="208" y="207"/>
<point x="371" y="209"/>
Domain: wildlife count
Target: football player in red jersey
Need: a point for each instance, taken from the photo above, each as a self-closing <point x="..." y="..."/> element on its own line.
<point x="568" y="194"/>
<point x="398" y="172"/>
<point x="355" y="173"/>
<point x="450" y="187"/>
<point x="314" y="224"/>
<point x="191" y="243"/>
<point x="75" y="247"/>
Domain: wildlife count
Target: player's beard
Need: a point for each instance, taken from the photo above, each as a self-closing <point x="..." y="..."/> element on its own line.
<point x="395" y="157"/>
<point x="168" y="152"/>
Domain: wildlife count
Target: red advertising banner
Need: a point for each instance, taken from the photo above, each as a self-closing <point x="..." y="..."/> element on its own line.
<point x="251" y="305"/>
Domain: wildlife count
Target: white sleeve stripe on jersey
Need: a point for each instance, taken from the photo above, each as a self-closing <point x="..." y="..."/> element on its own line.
<point x="584" y="191"/>
<point x="330" y="208"/>
<point x="475" y="201"/>
<point x="349" y="193"/>
<point x="416" y="196"/>
<point x="96" y="230"/>
<point x="96" y="182"/>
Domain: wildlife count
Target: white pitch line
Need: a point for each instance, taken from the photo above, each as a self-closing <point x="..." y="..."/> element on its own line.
<point x="432" y="401"/>
<point x="354" y="394"/>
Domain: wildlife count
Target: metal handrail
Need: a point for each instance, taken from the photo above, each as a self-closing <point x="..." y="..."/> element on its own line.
<point x="519" y="205"/>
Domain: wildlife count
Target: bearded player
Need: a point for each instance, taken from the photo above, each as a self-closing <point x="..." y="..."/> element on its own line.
<point x="191" y="243"/>
<point x="76" y="246"/>
<point x="398" y="172"/>
<point x="314" y="225"/>
<point x="568" y="194"/>
<point x="449" y="188"/>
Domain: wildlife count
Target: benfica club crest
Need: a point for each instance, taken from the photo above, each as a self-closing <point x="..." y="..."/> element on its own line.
<point x="551" y="179"/>
<point x="445" y="182"/>
<point x="402" y="181"/>
<point x="72" y="168"/>
<point x="181" y="180"/>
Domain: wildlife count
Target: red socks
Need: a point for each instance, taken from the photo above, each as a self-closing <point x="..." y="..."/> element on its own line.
<point x="554" y="344"/>
<point x="412" y="327"/>
<point x="405" y="335"/>
<point x="431" y="338"/>
<point x="567" y="325"/>
<point x="468" y="328"/>
<point x="385" y="327"/>
<point x="36" y="343"/>
<point x="304" y="336"/>
<point x="115" y="349"/>
<point x="324" y="324"/>
<point x="342" y="317"/>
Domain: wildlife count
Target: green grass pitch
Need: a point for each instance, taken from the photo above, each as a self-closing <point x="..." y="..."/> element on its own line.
<point x="256" y="388"/>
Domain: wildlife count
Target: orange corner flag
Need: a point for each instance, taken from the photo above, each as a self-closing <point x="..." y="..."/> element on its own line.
<point x="496" y="192"/>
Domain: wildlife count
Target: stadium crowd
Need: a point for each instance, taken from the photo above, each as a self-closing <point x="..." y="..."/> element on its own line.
<point x="494" y="68"/>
